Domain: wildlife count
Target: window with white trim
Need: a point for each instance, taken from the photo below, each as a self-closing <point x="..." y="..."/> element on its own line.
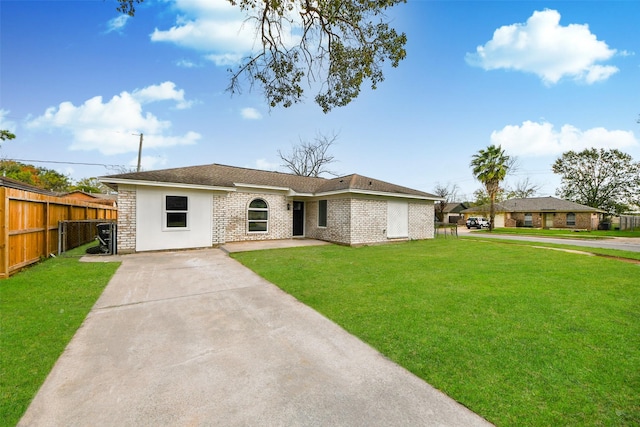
<point x="258" y="216"/>
<point x="528" y="219"/>
<point x="322" y="213"/>
<point x="176" y="211"/>
<point x="571" y="219"/>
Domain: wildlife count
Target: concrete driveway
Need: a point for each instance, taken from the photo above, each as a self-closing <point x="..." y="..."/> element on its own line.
<point x="193" y="338"/>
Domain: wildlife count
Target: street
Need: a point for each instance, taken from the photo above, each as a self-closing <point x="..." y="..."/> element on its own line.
<point x="619" y="243"/>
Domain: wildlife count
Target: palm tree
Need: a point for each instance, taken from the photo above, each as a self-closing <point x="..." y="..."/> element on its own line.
<point x="490" y="167"/>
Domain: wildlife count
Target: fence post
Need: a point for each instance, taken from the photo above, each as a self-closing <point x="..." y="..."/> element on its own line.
<point x="4" y="233"/>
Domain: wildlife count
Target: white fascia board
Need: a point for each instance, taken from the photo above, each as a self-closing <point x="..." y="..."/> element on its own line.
<point x="378" y="193"/>
<point x="293" y="193"/>
<point x="261" y="187"/>
<point x="164" y="184"/>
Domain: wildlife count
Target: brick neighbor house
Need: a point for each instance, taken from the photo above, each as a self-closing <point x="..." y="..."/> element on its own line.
<point x="541" y="212"/>
<point x="209" y="205"/>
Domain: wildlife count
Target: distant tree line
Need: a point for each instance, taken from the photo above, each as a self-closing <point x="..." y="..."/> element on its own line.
<point x="48" y="179"/>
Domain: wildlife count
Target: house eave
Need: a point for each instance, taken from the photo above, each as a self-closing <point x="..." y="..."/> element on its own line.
<point x="181" y="185"/>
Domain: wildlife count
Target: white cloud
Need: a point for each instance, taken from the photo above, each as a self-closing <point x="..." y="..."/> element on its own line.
<point x="250" y="114"/>
<point x="6" y="124"/>
<point x="543" y="47"/>
<point x="541" y="139"/>
<point x="117" y="23"/>
<point x="185" y="63"/>
<point x="163" y="91"/>
<point x="109" y="126"/>
<point x="263" y="164"/>
<point x="225" y="59"/>
<point x="216" y="28"/>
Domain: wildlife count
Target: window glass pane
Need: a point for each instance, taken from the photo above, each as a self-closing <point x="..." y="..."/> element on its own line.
<point x="258" y="203"/>
<point x="258" y="226"/>
<point x="322" y="213"/>
<point x="528" y="220"/>
<point x="258" y="215"/>
<point x="571" y="219"/>
<point x="176" y="203"/>
<point x="176" y="219"/>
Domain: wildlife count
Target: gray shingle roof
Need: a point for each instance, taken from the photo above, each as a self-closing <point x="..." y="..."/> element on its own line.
<point x="215" y="175"/>
<point x="535" y="204"/>
<point x="455" y="207"/>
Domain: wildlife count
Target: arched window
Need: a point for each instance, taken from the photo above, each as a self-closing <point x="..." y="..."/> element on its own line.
<point x="258" y="216"/>
<point x="571" y="219"/>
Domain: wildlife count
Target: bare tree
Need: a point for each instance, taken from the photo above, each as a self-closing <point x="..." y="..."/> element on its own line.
<point x="449" y="193"/>
<point x="523" y="189"/>
<point x="310" y="158"/>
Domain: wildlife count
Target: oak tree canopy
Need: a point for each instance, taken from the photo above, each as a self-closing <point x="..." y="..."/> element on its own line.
<point x="603" y="179"/>
<point x="341" y="44"/>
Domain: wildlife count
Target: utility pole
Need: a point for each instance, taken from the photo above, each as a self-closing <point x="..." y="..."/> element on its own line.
<point x="141" y="135"/>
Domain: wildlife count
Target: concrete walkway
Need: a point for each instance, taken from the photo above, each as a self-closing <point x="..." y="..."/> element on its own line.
<point x="193" y="338"/>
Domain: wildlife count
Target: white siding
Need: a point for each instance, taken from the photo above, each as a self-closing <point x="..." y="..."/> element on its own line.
<point x="151" y="233"/>
<point x="397" y="219"/>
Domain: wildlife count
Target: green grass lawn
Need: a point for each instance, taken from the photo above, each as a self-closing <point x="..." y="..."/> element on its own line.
<point x="520" y="335"/>
<point x="40" y="310"/>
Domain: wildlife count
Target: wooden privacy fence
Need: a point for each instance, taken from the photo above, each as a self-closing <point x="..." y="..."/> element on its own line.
<point x="630" y="222"/>
<point x="29" y="225"/>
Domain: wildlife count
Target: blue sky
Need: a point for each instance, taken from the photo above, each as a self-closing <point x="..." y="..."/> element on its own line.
<point x="78" y="81"/>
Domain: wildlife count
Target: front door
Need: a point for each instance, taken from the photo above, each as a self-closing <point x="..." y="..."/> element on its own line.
<point x="298" y="219"/>
<point x="548" y="220"/>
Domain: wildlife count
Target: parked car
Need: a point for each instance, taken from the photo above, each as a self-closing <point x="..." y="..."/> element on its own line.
<point x="477" y="222"/>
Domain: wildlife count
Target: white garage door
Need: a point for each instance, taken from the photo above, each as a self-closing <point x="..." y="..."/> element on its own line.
<point x="397" y="219"/>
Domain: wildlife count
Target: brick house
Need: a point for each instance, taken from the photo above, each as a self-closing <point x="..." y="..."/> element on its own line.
<point x="209" y="205"/>
<point x="541" y="212"/>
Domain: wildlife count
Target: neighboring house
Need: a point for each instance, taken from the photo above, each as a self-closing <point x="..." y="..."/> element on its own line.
<point x="452" y="212"/>
<point x="103" y="199"/>
<point x="209" y="205"/>
<point x="541" y="212"/>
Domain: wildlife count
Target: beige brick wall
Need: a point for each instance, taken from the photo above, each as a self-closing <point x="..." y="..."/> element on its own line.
<point x="219" y="218"/>
<point x="359" y="221"/>
<point x="421" y="220"/>
<point x="126" y="219"/>
<point x="338" y="221"/>
<point x="236" y="207"/>
<point x="368" y="221"/>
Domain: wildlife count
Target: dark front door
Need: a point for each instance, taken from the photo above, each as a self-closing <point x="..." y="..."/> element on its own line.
<point x="298" y="218"/>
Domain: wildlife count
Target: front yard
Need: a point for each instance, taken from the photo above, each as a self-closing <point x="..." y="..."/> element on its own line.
<point x="40" y="310"/>
<point x="520" y="335"/>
